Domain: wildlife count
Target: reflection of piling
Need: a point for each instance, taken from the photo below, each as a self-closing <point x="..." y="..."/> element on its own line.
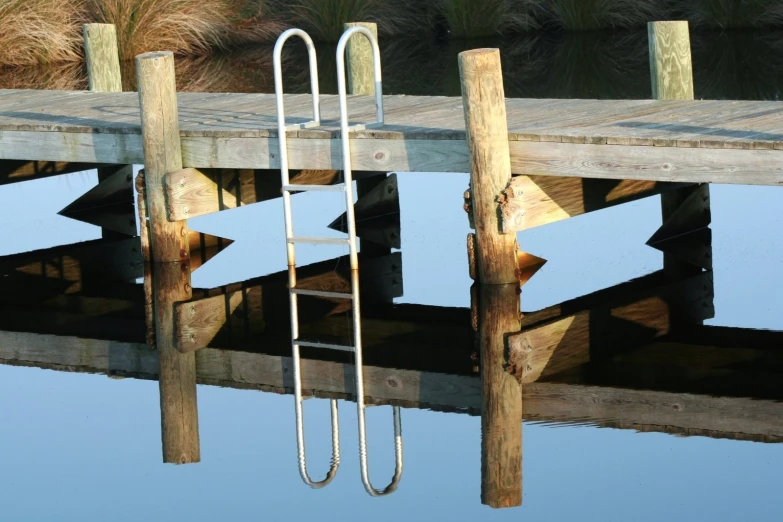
<point x="484" y="105"/>
<point x="169" y="252"/>
<point x="671" y="72"/>
<point x="501" y="405"/>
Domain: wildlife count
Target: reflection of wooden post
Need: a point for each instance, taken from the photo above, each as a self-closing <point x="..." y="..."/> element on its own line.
<point x="671" y="72"/>
<point x="169" y="254"/>
<point x="484" y="104"/>
<point x="501" y="406"/>
<point x="362" y="81"/>
<point x="103" y="75"/>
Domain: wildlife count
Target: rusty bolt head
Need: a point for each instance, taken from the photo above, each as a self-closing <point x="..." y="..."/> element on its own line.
<point x="183" y="253"/>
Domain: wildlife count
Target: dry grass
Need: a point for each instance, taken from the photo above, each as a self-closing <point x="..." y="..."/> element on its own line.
<point x="181" y="26"/>
<point x="68" y="76"/>
<point x="40" y="31"/>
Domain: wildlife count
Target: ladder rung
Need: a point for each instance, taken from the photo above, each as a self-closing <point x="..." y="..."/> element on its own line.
<point x="316" y="344"/>
<point x="340" y="187"/>
<point x="321" y="293"/>
<point x="320" y="240"/>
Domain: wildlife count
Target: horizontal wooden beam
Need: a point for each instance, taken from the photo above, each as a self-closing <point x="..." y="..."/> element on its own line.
<point x="191" y="192"/>
<point x="243" y="310"/>
<point x="644" y="410"/>
<point x="636" y="162"/>
<point x="570" y="341"/>
<point x="13" y="171"/>
<point x="532" y="201"/>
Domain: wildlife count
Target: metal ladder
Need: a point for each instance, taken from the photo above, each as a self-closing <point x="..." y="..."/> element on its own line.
<point x="291" y="240"/>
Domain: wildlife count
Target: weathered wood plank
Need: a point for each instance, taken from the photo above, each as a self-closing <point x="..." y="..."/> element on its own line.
<point x="532" y="201"/>
<point x="640" y="316"/>
<point x="682" y="413"/>
<point x="13" y="171"/>
<point x="191" y="193"/>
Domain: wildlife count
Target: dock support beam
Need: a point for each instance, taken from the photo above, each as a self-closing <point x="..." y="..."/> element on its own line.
<point x="501" y="397"/>
<point x="671" y="72"/>
<point x="484" y="104"/>
<point x="169" y="252"/>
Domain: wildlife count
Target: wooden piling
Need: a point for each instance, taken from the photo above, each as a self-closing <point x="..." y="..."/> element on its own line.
<point x="103" y="75"/>
<point x="359" y="60"/>
<point x="361" y="80"/>
<point x="501" y="403"/>
<point x="671" y="73"/>
<point x="103" y="58"/>
<point x="169" y="252"/>
<point x="484" y="104"/>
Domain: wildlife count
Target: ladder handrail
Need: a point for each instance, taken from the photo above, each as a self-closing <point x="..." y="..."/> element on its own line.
<point x="282" y="139"/>
<point x="348" y="177"/>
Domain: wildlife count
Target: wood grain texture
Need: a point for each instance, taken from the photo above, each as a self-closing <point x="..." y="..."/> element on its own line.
<point x="170" y="256"/>
<point x="191" y="192"/>
<point x="670" y="60"/>
<point x="359" y="60"/>
<point x="484" y="104"/>
<point x="740" y="417"/>
<point x="501" y="406"/>
<point x="103" y="57"/>
<point x="532" y="201"/>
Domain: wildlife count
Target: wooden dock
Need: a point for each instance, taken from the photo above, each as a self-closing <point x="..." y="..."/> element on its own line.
<point x="531" y="162"/>
<point x="684" y="141"/>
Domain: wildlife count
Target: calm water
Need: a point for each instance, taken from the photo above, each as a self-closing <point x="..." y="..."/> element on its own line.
<point x="77" y="446"/>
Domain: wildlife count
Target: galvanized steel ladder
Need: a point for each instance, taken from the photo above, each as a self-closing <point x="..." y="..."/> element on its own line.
<point x="291" y="240"/>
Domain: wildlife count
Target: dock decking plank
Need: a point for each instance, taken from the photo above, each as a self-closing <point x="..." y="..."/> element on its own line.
<point x="686" y="141"/>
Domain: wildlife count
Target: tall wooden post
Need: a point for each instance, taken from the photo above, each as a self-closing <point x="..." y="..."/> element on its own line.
<point x="671" y="72"/>
<point x="103" y="57"/>
<point x="103" y="75"/>
<point x="501" y="406"/>
<point x="484" y="103"/>
<point x="170" y="253"/>
<point x="362" y="81"/>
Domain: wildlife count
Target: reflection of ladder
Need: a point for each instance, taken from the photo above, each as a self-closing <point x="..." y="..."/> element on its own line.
<point x="291" y="240"/>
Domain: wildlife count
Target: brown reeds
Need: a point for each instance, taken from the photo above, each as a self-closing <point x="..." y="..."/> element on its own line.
<point x="40" y="31"/>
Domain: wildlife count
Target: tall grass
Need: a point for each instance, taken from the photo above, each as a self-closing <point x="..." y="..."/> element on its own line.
<point x="586" y="15"/>
<point x="181" y="26"/>
<point x="40" y="31"/>
<point x="477" y="18"/>
<point x="728" y="14"/>
<point x="324" y="19"/>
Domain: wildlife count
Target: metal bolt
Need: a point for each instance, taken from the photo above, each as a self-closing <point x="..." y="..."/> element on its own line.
<point x="182" y="182"/>
<point x="528" y="368"/>
<point x="186" y="209"/>
<point x="187" y="287"/>
<point x="192" y="338"/>
<point x="184" y="232"/>
<point x="192" y="310"/>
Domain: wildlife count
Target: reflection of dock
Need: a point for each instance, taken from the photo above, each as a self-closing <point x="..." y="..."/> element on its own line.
<point x="669" y="386"/>
<point x="633" y="356"/>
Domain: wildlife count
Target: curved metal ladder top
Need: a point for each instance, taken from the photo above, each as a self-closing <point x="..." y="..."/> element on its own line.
<point x="345" y="130"/>
<point x="282" y="128"/>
